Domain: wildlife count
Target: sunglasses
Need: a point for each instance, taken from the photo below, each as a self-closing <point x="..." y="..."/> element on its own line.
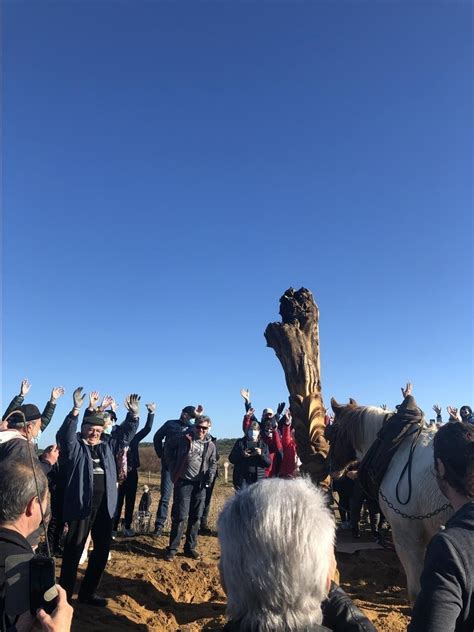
<point x="202" y="427"/>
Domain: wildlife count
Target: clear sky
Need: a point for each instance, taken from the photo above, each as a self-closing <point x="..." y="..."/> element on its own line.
<point x="171" y="168"/>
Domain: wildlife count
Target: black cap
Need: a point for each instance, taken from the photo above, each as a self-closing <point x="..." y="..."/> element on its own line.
<point x="190" y="410"/>
<point x="27" y="412"/>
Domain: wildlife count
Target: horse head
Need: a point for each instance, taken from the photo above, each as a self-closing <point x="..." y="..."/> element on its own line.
<point x="341" y="450"/>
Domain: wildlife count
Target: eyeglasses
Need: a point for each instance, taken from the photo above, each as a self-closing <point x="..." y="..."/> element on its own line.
<point x="202" y="427"/>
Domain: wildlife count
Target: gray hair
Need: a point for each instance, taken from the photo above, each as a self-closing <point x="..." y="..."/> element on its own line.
<point x="277" y="547"/>
<point x="17" y="488"/>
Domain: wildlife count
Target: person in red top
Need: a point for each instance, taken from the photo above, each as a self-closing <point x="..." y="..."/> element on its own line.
<point x="271" y="437"/>
<point x="289" y="464"/>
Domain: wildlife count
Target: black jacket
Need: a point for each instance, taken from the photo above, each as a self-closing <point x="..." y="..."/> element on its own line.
<point x="14" y="446"/>
<point x="11" y="543"/>
<point x="248" y="468"/>
<point x="445" y="602"/>
<point x="340" y="614"/>
<point x="133" y="456"/>
<point x="166" y="437"/>
<point x="76" y="464"/>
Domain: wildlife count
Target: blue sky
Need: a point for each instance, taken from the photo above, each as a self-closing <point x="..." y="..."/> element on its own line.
<point x="170" y="168"/>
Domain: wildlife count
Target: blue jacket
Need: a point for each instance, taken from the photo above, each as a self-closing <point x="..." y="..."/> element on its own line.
<point x="78" y="466"/>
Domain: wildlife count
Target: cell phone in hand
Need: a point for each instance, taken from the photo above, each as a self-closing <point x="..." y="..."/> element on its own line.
<point x="43" y="591"/>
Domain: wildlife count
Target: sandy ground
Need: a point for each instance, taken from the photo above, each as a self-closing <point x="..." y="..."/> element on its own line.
<point x="146" y="593"/>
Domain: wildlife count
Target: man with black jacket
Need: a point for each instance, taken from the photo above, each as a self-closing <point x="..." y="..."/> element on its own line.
<point x="128" y="489"/>
<point x="20" y="517"/>
<point x="250" y="458"/>
<point x="90" y="495"/>
<point x="193" y="467"/>
<point x="163" y="442"/>
<point x="445" y="602"/>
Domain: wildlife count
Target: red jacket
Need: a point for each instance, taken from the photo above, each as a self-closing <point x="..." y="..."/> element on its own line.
<point x="276" y="452"/>
<point x="289" y="462"/>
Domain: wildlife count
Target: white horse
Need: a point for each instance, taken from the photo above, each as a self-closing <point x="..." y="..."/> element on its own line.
<point x="357" y="428"/>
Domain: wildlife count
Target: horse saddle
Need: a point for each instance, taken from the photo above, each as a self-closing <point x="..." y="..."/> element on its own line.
<point x="395" y="429"/>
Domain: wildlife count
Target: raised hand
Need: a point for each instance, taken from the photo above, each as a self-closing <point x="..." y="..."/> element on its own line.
<point x="56" y="394"/>
<point x="245" y="394"/>
<point x="199" y="409"/>
<point x="281" y="408"/>
<point x="132" y="404"/>
<point x="151" y="407"/>
<point x="383" y="406"/>
<point x="437" y="409"/>
<point x="93" y="399"/>
<point x="113" y="405"/>
<point x="453" y="412"/>
<point x="106" y="402"/>
<point x="24" y="387"/>
<point x="78" y="397"/>
<point x="407" y="390"/>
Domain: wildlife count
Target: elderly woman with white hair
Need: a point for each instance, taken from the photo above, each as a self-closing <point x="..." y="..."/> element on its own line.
<point x="277" y="561"/>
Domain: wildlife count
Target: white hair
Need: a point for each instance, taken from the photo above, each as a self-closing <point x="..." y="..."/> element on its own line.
<point x="277" y="548"/>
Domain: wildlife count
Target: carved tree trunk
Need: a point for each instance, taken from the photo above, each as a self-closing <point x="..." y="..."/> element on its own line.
<point x="296" y="343"/>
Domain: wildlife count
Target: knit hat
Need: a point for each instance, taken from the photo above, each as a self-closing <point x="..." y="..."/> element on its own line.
<point x="94" y="419"/>
<point x="27" y="412"/>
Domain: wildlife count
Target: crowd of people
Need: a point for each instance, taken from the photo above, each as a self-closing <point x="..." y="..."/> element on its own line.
<point x="80" y="485"/>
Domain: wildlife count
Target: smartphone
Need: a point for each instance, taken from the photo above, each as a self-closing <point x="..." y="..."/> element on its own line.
<point x="43" y="591"/>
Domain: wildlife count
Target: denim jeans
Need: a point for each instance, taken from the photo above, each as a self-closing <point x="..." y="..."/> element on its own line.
<point x="166" y="489"/>
<point x="188" y="504"/>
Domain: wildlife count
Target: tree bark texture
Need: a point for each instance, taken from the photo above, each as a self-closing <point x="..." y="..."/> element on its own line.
<point x="296" y="343"/>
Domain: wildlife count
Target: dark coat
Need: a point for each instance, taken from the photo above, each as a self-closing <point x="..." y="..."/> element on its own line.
<point x="446" y="601"/>
<point x="76" y="462"/>
<point x="133" y="456"/>
<point x="11" y="543"/>
<point x="17" y="448"/>
<point x="248" y="468"/>
<point x="340" y="614"/>
<point x="166" y="436"/>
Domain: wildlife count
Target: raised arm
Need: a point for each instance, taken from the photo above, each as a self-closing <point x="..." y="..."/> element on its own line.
<point x="66" y="436"/>
<point x="125" y="432"/>
<point x="18" y="400"/>
<point x="50" y="407"/>
<point x="145" y="431"/>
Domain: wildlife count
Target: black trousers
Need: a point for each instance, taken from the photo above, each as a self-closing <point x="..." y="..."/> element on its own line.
<point x="127" y="491"/>
<point x="207" y="503"/>
<point x="99" y="524"/>
<point x="188" y="505"/>
<point x="357" y="500"/>
<point x="56" y="524"/>
<point x="344" y="488"/>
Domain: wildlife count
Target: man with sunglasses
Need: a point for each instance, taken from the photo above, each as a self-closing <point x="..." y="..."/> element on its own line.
<point x="193" y="467"/>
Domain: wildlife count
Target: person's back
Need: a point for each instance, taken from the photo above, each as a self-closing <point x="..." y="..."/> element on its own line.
<point x="446" y="602"/>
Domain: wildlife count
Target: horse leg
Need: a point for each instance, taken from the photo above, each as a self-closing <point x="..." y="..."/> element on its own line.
<point x="410" y="546"/>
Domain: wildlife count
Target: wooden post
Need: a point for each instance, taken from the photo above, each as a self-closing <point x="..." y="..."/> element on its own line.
<point x="296" y="343"/>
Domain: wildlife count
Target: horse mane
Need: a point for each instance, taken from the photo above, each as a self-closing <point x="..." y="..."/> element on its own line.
<point x="358" y="426"/>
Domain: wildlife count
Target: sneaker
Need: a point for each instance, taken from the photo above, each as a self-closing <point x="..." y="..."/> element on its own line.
<point x="169" y="556"/>
<point x="129" y="533"/>
<point x="193" y="554"/>
<point x="93" y="600"/>
<point x="157" y="532"/>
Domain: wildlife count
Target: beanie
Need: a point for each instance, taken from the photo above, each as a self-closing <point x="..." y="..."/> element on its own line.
<point x="27" y="412"/>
